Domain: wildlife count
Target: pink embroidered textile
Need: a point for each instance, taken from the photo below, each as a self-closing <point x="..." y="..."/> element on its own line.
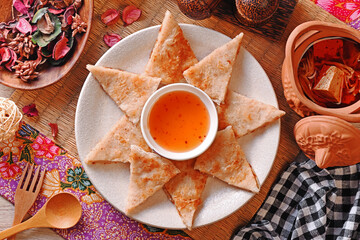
<point x="65" y="173"/>
<point x="347" y="11"/>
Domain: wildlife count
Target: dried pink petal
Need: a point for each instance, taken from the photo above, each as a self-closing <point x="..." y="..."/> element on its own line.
<point x="56" y="11"/>
<point x="20" y="6"/>
<point x="111" y="39"/>
<point x="131" y="14"/>
<point x="111" y="16"/>
<point x="54" y="129"/>
<point x="26" y="3"/>
<point x="61" y="48"/>
<point x="2" y="37"/>
<point x="8" y="58"/>
<point x="30" y="110"/>
<point x="68" y="14"/>
<point x="24" y="26"/>
<point x="5" y="55"/>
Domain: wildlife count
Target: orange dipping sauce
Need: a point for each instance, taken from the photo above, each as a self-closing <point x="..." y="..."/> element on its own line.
<point x="179" y="121"/>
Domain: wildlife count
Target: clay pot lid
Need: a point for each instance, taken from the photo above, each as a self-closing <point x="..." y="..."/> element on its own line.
<point x="255" y="12"/>
<point x="329" y="141"/>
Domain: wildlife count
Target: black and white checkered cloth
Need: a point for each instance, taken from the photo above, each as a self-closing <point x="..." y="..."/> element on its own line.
<point x="308" y="202"/>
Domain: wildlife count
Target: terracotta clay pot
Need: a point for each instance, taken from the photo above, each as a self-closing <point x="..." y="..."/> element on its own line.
<point x="329" y="141"/>
<point x="302" y="37"/>
<point x="255" y="12"/>
<point x="198" y="9"/>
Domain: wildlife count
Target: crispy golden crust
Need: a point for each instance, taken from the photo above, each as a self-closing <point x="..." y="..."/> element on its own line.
<point x="129" y="90"/>
<point x="148" y="173"/>
<point x="185" y="189"/>
<point x="212" y="74"/>
<point x="226" y="161"/>
<point x="246" y="115"/>
<point x="172" y="53"/>
<point x="115" y="145"/>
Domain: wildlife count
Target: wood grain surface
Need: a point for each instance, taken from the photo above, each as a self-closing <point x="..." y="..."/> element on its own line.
<point x="57" y="103"/>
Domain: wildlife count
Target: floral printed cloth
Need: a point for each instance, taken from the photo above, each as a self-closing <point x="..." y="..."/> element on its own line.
<point x="347" y="11"/>
<point x="64" y="173"/>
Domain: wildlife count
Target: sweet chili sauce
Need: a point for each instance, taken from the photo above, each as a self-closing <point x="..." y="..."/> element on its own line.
<point x="179" y="121"/>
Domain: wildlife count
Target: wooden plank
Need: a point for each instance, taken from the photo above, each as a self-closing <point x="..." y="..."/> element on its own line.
<point x="57" y="103"/>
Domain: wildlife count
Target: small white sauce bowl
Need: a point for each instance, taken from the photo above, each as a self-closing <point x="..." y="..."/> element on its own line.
<point x="213" y="125"/>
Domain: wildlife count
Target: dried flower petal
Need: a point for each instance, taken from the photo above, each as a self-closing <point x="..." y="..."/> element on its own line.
<point x="8" y="57"/>
<point x="111" y="39"/>
<point x="56" y="11"/>
<point x="24" y="26"/>
<point x="5" y="55"/>
<point x="30" y="110"/>
<point x="28" y="3"/>
<point x="61" y="48"/>
<point x="54" y="129"/>
<point x="20" y="6"/>
<point x="131" y="14"/>
<point x="69" y="12"/>
<point x="111" y="16"/>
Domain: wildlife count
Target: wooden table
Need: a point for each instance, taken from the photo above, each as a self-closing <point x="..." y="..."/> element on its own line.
<point x="57" y="103"/>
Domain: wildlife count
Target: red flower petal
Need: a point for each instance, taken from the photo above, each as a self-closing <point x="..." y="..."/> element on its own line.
<point x="54" y="129"/>
<point x="68" y="14"/>
<point x="20" y="6"/>
<point x="56" y="11"/>
<point x="111" y="39"/>
<point x="30" y="110"/>
<point x="111" y="16"/>
<point x="12" y="60"/>
<point x="61" y="48"/>
<point x="23" y="26"/>
<point x="5" y="55"/>
<point x="131" y="14"/>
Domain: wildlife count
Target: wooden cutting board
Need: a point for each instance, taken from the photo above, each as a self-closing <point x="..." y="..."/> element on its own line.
<point x="57" y="103"/>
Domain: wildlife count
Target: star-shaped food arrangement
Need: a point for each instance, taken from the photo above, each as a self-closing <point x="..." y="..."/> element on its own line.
<point x="172" y="61"/>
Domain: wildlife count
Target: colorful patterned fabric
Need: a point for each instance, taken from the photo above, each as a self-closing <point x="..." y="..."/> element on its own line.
<point x="347" y="11"/>
<point x="65" y="174"/>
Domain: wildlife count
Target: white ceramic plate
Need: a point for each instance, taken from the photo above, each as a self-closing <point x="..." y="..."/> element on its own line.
<point x="96" y="113"/>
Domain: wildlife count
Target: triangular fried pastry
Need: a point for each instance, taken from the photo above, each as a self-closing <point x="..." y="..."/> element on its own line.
<point x="171" y="54"/>
<point x="226" y="161"/>
<point x="114" y="147"/>
<point x="185" y="189"/>
<point x="148" y="173"/>
<point x="246" y="115"/>
<point x="129" y="90"/>
<point x="212" y="74"/>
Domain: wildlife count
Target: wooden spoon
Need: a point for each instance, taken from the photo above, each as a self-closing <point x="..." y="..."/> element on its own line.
<point x="61" y="211"/>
